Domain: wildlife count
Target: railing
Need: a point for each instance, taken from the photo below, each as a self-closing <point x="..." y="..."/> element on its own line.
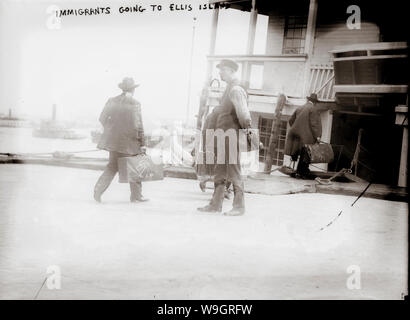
<point x="278" y="73"/>
<point x="287" y="74"/>
<point x="321" y="82"/>
<point x="261" y="57"/>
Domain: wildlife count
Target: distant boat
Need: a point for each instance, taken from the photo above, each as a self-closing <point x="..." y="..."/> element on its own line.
<point x="54" y="130"/>
<point x="14" y="122"/>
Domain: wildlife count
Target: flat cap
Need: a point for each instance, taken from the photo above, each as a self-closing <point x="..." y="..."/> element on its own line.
<point x="228" y="63"/>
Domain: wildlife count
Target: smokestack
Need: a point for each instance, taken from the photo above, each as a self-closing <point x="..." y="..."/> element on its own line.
<point x="9" y="113"/>
<point x="54" y="118"/>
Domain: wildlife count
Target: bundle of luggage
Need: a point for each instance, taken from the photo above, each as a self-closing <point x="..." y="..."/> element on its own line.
<point x="319" y="153"/>
<point x="139" y="168"/>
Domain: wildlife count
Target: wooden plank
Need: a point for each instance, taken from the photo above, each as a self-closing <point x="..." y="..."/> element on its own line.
<point x="250" y="43"/>
<point x="401" y="115"/>
<point x="401" y="119"/>
<point x="330" y="92"/>
<point x="370" y="46"/>
<point x="260" y="57"/>
<point x="316" y="79"/>
<point x="328" y="79"/>
<point x="326" y="89"/>
<point x="360" y="113"/>
<point x="401" y="108"/>
<point x="375" y="57"/>
<point x="309" y="42"/>
<point x="290" y="99"/>
<point x="274" y="136"/>
<point x="322" y="74"/>
<point x="264" y="99"/>
<point x="311" y="27"/>
<point x="214" y="27"/>
<point x="312" y="72"/>
<point x="403" y="159"/>
<point x="362" y="95"/>
<point x="367" y="88"/>
<point x="252" y="29"/>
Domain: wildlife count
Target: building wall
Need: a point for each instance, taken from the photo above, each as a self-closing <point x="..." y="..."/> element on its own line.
<point x="331" y="31"/>
<point x="330" y="35"/>
<point x="276" y="28"/>
<point x="284" y="77"/>
<point x="280" y="77"/>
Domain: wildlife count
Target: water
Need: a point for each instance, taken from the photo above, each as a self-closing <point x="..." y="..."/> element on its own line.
<point x="170" y="152"/>
<point x="20" y="140"/>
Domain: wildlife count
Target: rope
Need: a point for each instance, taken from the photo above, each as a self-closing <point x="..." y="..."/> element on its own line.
<point x="42" y="285"/>
<point x="317" y="167"/>
<point x="341" y="211"/>
<point x="46" y="153"/>
<point x="358" y="161"/>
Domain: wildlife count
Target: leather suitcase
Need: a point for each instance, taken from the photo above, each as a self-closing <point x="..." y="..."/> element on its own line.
<point x="319" y="153"/>
<point x="139" y="168"/>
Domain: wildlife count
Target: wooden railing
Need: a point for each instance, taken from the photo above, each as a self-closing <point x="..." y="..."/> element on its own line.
<point x="321" y="82"/>
<point x="287" y="77"/>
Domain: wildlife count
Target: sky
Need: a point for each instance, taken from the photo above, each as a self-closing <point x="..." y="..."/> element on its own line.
<point x="79" y="65"/>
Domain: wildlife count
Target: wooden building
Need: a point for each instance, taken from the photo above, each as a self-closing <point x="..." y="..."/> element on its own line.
<point x="304" y="40"/>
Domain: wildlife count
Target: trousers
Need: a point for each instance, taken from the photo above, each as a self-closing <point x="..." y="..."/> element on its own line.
<point x="109" y="173"/>
<point x="225" y="173"/>
<point x="303" y="165"/>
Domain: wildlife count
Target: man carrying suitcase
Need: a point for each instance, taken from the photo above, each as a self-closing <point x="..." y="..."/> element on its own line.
<point x="306" y="128"/>
<point x="123" y="136"/>
<point x="233" y="116"/>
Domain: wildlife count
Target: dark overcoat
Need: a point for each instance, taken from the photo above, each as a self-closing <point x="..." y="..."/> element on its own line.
<point x="306" y="126"/>
<point x="123" y="127"/>
<point x="208" y="148"/>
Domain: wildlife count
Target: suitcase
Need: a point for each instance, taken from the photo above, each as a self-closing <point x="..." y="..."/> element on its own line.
<point x="139" y="168"/>
<point x="319" y="153"/>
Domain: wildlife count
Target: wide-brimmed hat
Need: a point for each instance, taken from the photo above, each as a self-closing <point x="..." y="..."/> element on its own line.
<point x="312" y="97"/>
<point x="228" y="63"/>
<point x="128" y="84"/>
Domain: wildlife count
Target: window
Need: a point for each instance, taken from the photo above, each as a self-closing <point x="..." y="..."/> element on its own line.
<point x="295" y="34"/>
<point x="265" y="128"/>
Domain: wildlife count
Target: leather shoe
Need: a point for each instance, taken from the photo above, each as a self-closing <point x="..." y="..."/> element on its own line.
<point x="235" y="212"/>
<point x="97" y="197"/>
<point x="140" y="199"/>
<point x="209" y="208"/>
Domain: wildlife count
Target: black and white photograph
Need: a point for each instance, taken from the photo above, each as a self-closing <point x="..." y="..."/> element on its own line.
<point x="236" y="150"/>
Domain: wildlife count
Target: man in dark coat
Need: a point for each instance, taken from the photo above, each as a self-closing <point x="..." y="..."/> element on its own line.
<point x="123" y="136"/>
<point x="233" y="114"/>
<point x="206" y="169"/>
<point x="306" y="128"/>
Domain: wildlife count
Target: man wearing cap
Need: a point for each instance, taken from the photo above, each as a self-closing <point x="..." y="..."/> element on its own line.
<point x="306" y="128"/>
<point x="233" y="114"/>
<point x="123" y="136"/>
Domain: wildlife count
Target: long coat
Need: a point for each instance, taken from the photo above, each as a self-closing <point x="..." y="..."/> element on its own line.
<point x="306" y="126"/>
<point x="123" y="127"/>
<point x="207" y="169"/>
